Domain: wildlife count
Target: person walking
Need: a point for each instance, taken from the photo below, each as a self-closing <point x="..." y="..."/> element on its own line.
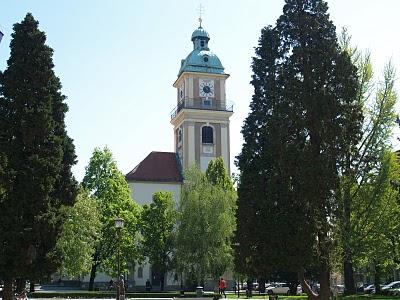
<point x="222" y="286"/>
<point x="148" y="285"/>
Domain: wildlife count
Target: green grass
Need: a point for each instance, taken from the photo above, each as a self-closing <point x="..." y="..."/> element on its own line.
<point x="284" y="297"/>
<point x="103" y="294"/>
<point x="176" y="294"/>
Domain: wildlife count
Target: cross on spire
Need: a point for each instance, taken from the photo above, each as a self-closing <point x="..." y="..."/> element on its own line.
<point x="201" y="12"/>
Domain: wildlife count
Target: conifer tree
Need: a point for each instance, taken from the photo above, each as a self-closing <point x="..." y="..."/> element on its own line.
<point x="36" y="157"/>
<point x="303" y="118"/>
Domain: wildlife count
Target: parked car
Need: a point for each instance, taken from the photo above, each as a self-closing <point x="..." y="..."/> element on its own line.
<point x="370" y="289"/>
<point x="279" y="288"/>
<point x="390" y="288"/>
<point x="337" y="289"/>
<point x="268" y="285"/>
<point x="396" y="292"/>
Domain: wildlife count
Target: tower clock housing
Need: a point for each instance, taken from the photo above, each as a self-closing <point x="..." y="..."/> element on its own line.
<point x="201" y="117"/>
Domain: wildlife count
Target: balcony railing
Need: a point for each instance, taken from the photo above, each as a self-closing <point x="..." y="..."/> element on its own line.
<point x="203" y="104"/>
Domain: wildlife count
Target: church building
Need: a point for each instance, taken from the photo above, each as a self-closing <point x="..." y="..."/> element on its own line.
<point x="200" y="123"/>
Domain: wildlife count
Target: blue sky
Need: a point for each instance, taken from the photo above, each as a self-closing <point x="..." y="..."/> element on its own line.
<point x="117" y="60"/>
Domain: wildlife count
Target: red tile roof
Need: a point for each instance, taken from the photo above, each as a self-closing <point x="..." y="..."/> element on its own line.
<point x="158" y="167"/>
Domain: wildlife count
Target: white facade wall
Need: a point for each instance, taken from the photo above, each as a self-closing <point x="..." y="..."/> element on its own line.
<point x="142" y="191"/>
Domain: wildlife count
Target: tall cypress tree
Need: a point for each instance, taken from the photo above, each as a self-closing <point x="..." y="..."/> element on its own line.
<point x="303" y="117"/>
<point x="37" y="156"/>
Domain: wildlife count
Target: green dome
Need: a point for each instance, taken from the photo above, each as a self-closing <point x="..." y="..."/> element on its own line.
<point x="201" y="59"/>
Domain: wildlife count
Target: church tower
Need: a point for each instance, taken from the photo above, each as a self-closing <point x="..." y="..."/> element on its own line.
<point x="201" y="117"/>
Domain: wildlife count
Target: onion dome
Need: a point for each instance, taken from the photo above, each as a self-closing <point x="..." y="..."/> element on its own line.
<point x="201" y="59"/>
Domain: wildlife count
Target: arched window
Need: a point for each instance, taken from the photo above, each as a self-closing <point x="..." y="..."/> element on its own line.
<point x="140" y="272"/>
<point x="207" y="135"/>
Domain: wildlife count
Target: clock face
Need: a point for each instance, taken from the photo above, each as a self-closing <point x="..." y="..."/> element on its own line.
<point x="206" y="88"/>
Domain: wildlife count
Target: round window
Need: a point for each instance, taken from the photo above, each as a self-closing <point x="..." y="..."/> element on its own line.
<point x="205" y="58"/>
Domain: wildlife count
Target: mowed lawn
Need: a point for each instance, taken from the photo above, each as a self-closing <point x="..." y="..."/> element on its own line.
<point x="283" y="297"/>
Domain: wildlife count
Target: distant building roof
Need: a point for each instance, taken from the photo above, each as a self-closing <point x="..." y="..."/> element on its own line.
<point x="157" y="167"/>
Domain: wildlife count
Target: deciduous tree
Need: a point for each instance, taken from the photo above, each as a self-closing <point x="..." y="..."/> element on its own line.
<point x="79" y="236"/>
<point x="361" y="166"/>
<point x="157" y="226"/>
<point x="108" y="185"/>
<point x="206" y="224"/>
<point x="375" y="219"/>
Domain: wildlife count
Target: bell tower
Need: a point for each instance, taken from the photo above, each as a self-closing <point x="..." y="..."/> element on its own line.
<point x="201" y="117"/>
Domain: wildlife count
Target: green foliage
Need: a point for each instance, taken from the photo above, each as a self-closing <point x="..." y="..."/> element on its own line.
<point x="108" y="185"/>
<point x="302" y="118"/>
<point x="79" y="236"/>
<point x="364" y="160"/>
<point x="376" y="219"/>
<point x="36" y="156"/>
<point x="206" y="225"/>
<point x="217" y="174"/>
<point x="158" y="222"/>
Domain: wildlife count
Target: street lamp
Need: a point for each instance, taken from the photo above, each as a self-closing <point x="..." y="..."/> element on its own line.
<point x="119" y="224"/>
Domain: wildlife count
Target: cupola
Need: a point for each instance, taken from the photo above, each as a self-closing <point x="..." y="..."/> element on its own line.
<point x="201" y="59"/>
<point x="200" y="39"/>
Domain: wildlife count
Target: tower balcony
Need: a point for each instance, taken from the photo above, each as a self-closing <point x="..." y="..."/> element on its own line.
<point x="202" y="104"/>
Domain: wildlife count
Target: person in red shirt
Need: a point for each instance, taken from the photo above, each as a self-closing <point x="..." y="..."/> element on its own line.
<point x="222" y="286"/>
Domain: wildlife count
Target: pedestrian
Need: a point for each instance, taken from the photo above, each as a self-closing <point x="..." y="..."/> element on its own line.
<point x="111" y="285"/>
<point x="148" y="285"/>
<point x="249" y="288"/>
<point x="222" y="286"/>
<point x="121" y="288"/>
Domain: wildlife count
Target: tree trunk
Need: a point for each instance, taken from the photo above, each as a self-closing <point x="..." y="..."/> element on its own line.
<point x="305" y="286"/>
<point x="21" y="282"/>
<point x="162" y="278"/>
<point x="325" y="286"/>
<point x="377" y="279"/>
<point x="92" y="276"/>
<point x="261" y="285"/>
<point x="31" y="286"/>
<point x="7" y="290"/>
<point x="349" y="286"/>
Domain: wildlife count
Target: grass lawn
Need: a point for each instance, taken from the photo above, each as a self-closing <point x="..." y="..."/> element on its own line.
<point x="284" y="297"/>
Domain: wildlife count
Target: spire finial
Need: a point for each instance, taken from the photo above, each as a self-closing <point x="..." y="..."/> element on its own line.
<point x="201" y="12"/>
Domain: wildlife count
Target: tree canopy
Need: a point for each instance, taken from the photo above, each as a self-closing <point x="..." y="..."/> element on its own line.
<point x="361" y="166"/>
<point x="36" y="156"/>
<point x="303" y="117"/>
<point x="108" y="185"/>
<point x="157" y="226"/>
<point x="79" y="236"/>
<point x="206" y="223"/>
